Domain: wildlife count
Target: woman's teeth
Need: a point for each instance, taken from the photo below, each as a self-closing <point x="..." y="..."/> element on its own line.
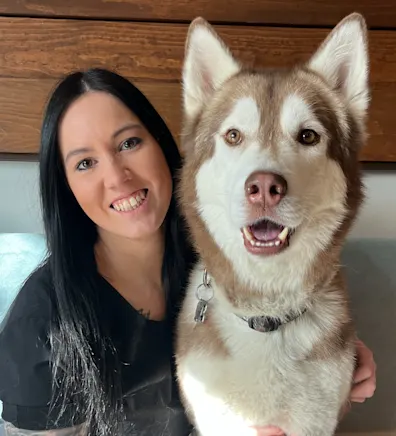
<point x="130" y="203"/>
<point x="276" y="242"/>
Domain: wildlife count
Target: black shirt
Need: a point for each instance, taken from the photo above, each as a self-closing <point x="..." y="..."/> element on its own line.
<point x="151" y="400"/>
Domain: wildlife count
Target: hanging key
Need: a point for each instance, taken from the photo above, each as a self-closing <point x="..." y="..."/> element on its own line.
<point x="204" y="294"/>
<point x="200" y="311"/>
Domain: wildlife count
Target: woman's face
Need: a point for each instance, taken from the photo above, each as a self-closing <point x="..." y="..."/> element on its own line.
<point x="115" y="168"/>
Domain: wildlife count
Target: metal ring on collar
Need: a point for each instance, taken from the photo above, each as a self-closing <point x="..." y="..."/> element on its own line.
<point x="206" y="280"/>
<point x="203" y="289"/>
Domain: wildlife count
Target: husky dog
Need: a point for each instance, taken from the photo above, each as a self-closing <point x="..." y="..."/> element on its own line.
<point x="270" y="187"/>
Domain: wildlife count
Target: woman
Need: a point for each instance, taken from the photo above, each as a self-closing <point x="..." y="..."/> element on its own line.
<point x="87" y="347"/>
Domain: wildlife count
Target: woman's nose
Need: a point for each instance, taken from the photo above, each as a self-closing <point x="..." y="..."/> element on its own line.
<point x="116" y="173"/>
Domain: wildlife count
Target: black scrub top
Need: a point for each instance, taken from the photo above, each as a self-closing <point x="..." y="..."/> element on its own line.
<point x="151" y="401"/>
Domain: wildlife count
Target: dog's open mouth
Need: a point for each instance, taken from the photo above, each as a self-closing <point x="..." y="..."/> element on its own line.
<point x="266" y="237"/>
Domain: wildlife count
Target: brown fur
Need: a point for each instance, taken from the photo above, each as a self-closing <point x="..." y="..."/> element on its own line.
<point x="263" y="84"/>
<point x="323" y="282"/>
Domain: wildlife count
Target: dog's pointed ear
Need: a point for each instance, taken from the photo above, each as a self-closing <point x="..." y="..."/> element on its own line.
<point x="208" y="63"/>
<point x="342" y="60"/>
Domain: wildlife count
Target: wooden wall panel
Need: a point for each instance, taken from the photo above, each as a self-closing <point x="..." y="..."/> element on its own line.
<point x="151" y="54"/>
<point x="155" y="51"/>
<point x="23" y="101"/>
<point x="380" y="13"/>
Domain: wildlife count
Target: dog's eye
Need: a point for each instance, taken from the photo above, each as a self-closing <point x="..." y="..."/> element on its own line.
<point x="233" y="137"/>
<point x="308" y="137"/>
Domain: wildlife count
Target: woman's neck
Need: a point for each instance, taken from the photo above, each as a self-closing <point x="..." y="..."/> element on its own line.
<point x="120" y="257"/>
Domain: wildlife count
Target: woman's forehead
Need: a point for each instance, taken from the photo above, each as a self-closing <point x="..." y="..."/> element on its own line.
<point x="92" y="114"/>
<point x="97" y="104"/>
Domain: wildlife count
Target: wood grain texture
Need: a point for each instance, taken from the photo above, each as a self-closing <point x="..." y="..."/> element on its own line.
<point x="152" y="55"/>
<point x="155" y="51"/>
<point x="380" y="13"/>
<point x="22" y="102"/>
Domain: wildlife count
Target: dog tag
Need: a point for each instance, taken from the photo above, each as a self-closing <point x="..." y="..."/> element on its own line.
<point x="200" y="311"/>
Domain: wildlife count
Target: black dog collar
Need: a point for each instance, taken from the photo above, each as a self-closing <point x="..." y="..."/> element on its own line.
<point x="204" y="294"/>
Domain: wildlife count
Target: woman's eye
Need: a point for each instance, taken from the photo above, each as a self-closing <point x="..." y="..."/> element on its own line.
<point x="85" y="164"/>
<point x="130" y="143"/>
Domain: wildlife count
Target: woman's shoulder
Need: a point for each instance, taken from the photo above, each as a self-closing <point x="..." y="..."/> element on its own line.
<point x="25" y="373"/>
<point x="26" y="377"/>
<point x="34" y="300"/>
<point x="29" y="316"/>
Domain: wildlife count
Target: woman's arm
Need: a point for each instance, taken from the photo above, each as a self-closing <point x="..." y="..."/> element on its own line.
<point x="78" y="430"/>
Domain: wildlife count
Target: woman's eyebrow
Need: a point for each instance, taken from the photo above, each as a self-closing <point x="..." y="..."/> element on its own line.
<point x="126" y="127"/>
<point x="77" y="151"/>
<point x="83" y="150"/>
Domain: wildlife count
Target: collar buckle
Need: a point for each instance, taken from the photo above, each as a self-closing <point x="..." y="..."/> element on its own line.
<point x="266" y="324"/>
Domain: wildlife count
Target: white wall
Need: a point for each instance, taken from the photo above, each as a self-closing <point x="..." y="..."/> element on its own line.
<point x="378" y="216"/>
<point x="19" y="198"/>
<point x="20" y="205"/>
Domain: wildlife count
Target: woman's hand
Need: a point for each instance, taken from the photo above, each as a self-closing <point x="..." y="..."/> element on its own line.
<point x="364" y="378"/>
<point x="267" y="431"/>
<point x="365" y="381"/>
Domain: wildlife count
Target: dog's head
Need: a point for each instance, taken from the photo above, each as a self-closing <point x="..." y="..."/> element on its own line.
<point x="271" y="170"/>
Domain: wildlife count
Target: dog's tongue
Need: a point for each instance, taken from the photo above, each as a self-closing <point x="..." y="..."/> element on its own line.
<point x="265" y="231"/>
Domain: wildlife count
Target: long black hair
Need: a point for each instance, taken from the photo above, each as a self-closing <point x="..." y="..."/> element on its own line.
<point x="85" y="363"/>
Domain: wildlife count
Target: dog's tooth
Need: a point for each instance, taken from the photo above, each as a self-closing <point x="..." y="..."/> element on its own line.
<point x="248" y="235"/>
<point x="283" y="234"/>
<point x="264" y="244"/>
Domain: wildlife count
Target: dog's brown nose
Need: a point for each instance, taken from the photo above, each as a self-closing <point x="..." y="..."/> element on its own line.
<point x="266" y="189"/>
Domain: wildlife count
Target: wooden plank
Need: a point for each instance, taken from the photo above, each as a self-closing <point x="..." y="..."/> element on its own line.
<point x="155" y="51"/>
<point x="381" y="13"/>
<point x="22" y="102"/>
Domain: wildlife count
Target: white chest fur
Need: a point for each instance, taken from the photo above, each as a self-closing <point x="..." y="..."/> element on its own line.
<point x="263" y="378"/>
